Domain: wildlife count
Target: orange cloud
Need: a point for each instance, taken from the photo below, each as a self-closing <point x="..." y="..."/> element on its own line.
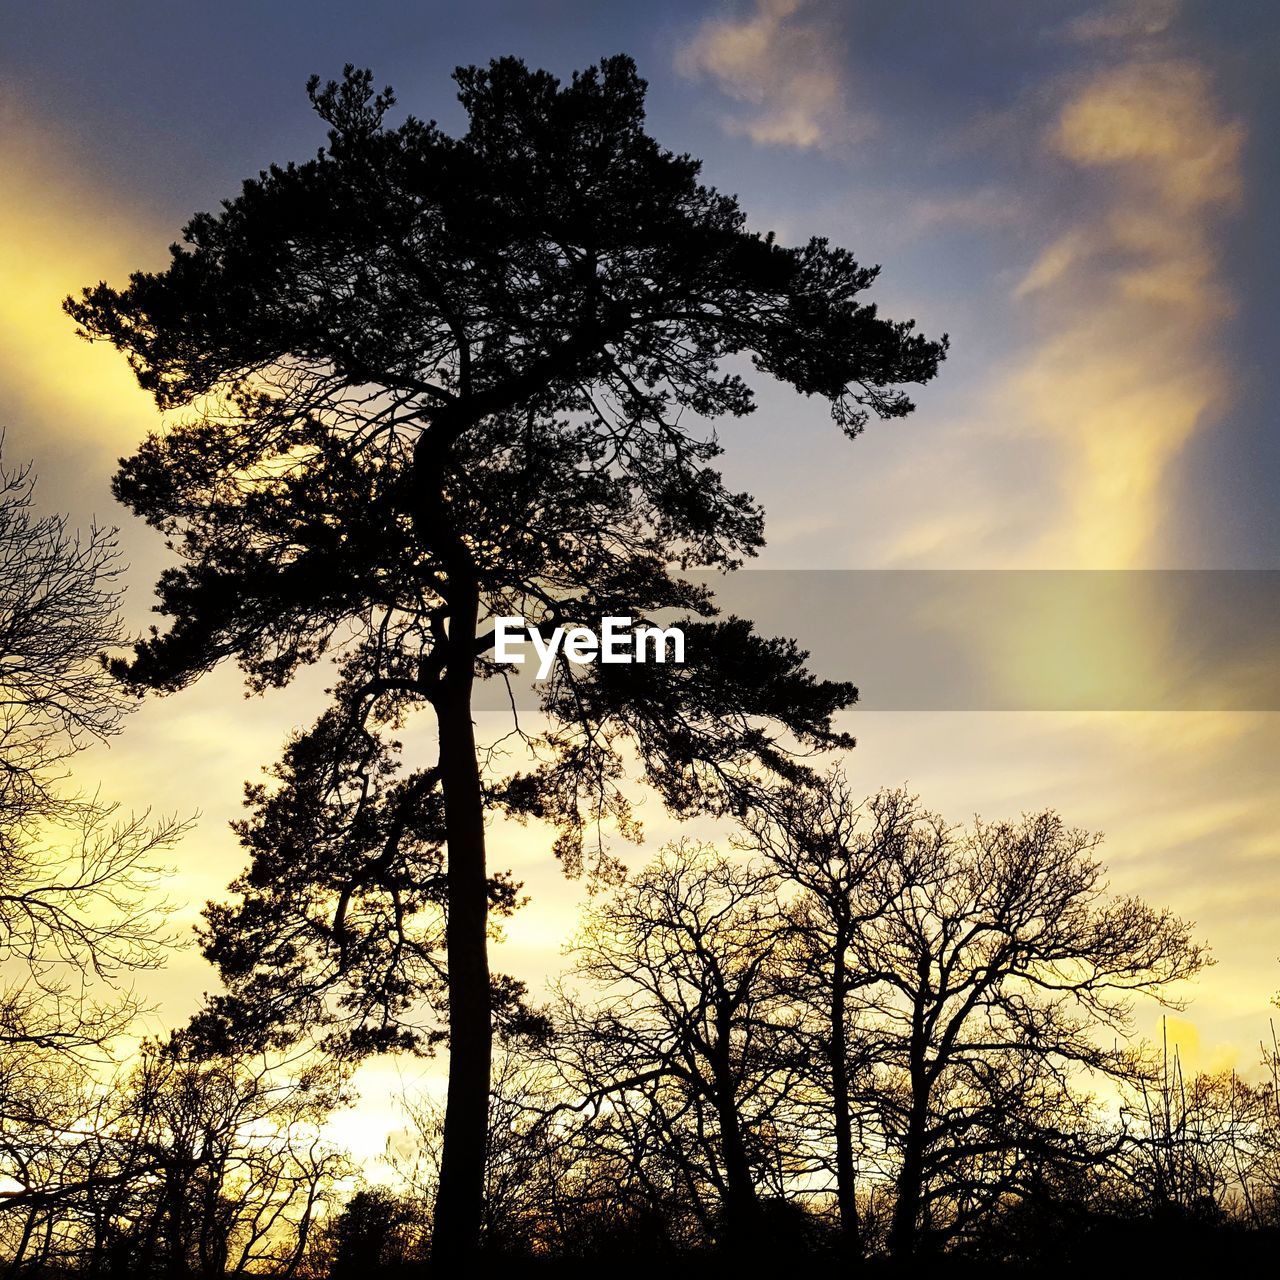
<point x="1158" y="119"/>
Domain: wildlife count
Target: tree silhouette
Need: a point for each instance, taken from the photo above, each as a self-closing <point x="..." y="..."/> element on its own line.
<point x="527" y="1182"/>
<point x="79" y="912"/>
<point x="375" y="1229"/>
<point x="994" y="958"/>
<point x="185" y="1169"/>
<point x="681" y="1026"/>
<point x="833" y="849"/>
<point x="444" y="379"/>
<point x="77" y="903"/>
<point x="1202" y="1148"/>
<point x="59" y="609"/>
<point x="896" y="1000"/>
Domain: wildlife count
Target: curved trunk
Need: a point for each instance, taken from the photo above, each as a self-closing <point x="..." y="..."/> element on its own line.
<point x="460" y="1199"/>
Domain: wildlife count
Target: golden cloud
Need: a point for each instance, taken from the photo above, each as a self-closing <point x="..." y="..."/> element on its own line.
<point x="1127" y="367"/>
<point x="782" y="61"/>
<point x="1158" y="121"/>
<point x="63" y="230"/>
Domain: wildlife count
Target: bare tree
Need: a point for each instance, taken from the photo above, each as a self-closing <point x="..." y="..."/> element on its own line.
<point x="682" y="1038"/>
<point x="886" y="1001"/>
<point x="527" y="1175"/>
<point x="998" y="965"/>
<point x="1206" y="1149"/>
<point x="79" y="910"/>
<point x="830" y="849"/>
<point x="59" y="598"/>
<point x="77" y="902"/>
<point x="182" y="1169"/>
<point x="1197" y="1144"/>
<point x="1265" y="1200"/>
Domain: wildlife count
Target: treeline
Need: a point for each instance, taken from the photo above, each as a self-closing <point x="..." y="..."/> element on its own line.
<point x="177" y="1168"/>
<point x="862" y="1035"/>
<point x="867" y="1036"/>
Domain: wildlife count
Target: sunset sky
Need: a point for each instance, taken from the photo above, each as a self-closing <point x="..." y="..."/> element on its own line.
<point x="1080" y="196"/>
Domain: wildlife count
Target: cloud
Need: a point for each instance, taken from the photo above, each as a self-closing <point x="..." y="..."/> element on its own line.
<point x="783" y="63"/>
<point x="1072" y="452"/>
<point x="1157" y="121"/>
<point x="1133" y="20"/>
<point x="1126" y="300"/>
<point x="983" y="207"/>
<point x="63" y="230"/>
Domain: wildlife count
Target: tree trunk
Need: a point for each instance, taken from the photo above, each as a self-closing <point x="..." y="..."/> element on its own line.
<point x="460" y="1199"/>
<point x="177" y="1193"/>
<point x="741" y="1206"/>
<point x="846" y="1174"/>
<point x="906" y="1211"/>
<point x="20" y="1249"/>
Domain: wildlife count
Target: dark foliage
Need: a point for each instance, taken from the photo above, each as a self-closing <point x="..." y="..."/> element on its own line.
<point x="438" y="380"/>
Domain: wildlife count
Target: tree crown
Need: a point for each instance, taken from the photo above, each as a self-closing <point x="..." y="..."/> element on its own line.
<point x="432" y="380"/>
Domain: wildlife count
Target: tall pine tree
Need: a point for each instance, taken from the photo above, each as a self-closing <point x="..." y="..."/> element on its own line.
<point x="435" y="381"/>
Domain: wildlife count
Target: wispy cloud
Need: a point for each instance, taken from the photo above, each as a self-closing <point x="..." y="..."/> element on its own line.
<point x="1128" y="21"/>
<point x="982" y="207"/>
<point x="783" y="64"/>
<point x="1127" y="300"/>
